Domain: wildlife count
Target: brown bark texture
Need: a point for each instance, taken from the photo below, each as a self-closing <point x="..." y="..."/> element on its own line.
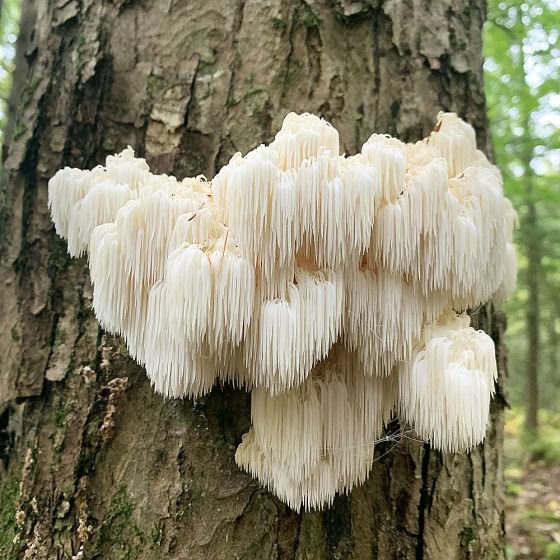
<point x="94" y="464"/>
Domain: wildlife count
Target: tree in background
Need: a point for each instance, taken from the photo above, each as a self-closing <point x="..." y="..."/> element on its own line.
<point x="92" y="459"/>
<point x="522" y="73"/>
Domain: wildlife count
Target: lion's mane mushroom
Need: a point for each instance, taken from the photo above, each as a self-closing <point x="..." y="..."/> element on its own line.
<point x="331" y="287"/>
<point x="445" y="388"/>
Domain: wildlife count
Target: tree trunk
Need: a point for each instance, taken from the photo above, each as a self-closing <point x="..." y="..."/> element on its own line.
<point x="92" y="458"/>
<point x="533" y="314"/>
<point x="533" y="244"/>
<point x="553" y="342"/>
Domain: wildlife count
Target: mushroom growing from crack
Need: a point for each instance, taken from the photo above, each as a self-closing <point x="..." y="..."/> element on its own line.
<point x="334" y="288"/>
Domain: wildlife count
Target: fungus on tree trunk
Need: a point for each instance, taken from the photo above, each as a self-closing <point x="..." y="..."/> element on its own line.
<point x="331" y="287"/>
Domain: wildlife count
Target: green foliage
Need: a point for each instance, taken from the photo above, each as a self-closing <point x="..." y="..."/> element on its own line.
<point x="538" y="515"/>
<point x="9" y="27"/>
<point x="546" y="446"/>
<point x="513" y="489"/>
<point x="520" y="447"/>
<point x="552" y="552"/>
<point x="522" y="73"/>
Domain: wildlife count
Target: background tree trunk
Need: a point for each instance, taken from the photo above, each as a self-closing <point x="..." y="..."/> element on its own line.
<point x="533" y="314"/>
<point x="91" y="456"/>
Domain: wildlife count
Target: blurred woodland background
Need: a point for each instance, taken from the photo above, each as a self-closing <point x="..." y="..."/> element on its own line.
<point x="522" y="80"/>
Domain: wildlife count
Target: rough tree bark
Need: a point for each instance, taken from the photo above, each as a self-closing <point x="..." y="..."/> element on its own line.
<point x="90" y="455"/>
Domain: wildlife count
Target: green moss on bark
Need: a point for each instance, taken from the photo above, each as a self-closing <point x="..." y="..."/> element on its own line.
<point x="8" y="528"/>
<point x="120" y="537"/>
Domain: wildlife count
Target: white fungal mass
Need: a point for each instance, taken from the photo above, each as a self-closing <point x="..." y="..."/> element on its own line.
<point x="334" y="288"/>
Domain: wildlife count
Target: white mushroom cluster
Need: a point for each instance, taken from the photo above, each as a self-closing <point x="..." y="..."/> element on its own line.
<point x="334" y="288"/>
